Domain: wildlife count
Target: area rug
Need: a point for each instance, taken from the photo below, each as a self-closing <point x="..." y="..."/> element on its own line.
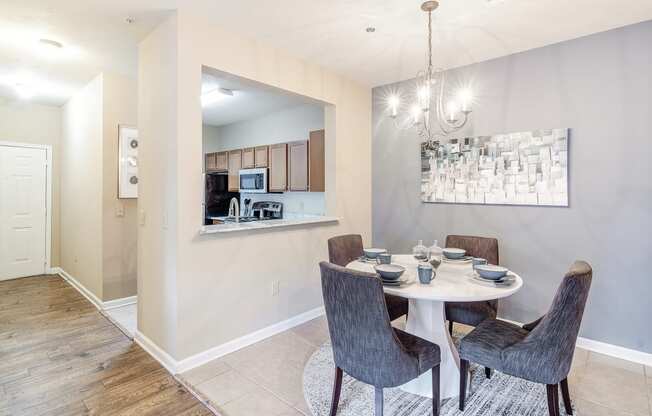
<point x="502" y="395"/>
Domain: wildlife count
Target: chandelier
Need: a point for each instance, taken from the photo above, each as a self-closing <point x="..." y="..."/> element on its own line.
<point x="427" y="114"/>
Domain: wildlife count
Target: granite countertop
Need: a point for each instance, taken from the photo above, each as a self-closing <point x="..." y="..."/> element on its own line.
<point x="289" y="221"/>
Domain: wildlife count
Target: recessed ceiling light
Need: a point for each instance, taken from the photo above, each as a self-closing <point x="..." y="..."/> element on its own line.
<point x="51" y="43"/>
<point x="215" y="95"/>
<point x="23" y="91"/>
<point x="370" y="29"/>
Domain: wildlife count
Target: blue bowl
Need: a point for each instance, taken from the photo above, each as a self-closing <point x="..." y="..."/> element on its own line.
<point x="372" y="253"/>
<point x="389" y="271"/>
<point x="490" y="271"/>
<point x="454" y="253"/>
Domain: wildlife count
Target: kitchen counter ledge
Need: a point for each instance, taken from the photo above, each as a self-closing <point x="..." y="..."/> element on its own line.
<point x="266" y="225"/>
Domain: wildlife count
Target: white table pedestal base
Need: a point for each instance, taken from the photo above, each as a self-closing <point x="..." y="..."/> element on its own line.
<point x="426" y="319"/>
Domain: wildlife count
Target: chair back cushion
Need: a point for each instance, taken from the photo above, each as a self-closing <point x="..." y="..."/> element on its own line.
<point x="486" y="248"/>
<point x="545" y="355"/>
<point x="364" y="343"/>
<point x="343" y="249"/>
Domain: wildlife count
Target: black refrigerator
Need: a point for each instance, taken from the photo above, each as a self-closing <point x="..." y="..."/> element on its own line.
<point x="217" y="196"/>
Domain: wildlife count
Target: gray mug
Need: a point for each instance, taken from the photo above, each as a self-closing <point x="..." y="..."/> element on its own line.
<point x="426" y="273"/>
<point x="384" y="258"/>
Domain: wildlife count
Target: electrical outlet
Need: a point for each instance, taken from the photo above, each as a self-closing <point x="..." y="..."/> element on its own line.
<point x="119" y="210"/>
<point x="276" y="287"/>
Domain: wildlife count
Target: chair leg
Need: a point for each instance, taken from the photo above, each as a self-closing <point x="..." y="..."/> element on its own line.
<point x="379" y="401"/>
<point x="464" y="371"/>
<point x="337" y="387"/>
<point x="450" y="327"/>
<point x="552" y="391"/>
<point x="487" y="372"/>
<point x="436" y="402"/>
<point x="565" y="394"/>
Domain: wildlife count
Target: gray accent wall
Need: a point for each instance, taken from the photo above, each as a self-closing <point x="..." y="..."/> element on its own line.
<point x="600" y="87"/>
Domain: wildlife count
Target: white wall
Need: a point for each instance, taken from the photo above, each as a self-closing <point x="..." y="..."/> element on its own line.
<point x="202" y="291"/>
<point x="39" y="124"/>
<point x="98" y="248"/>
<point x="81" y="187"/>
<point x="119" y="233"/>
<point x="286" y="125"/>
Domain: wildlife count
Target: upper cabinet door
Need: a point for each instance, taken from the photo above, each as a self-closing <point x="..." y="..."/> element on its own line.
<point x="261" y="156"/>
<point x="210" y="162"/>
<point x="235" y="163"/>
<point x="298" y="165"/>
<point x="222" y="161"/>
<point x="278" y="167"/>
<point x="317" y="161"/>
<point x="248" y="160"/>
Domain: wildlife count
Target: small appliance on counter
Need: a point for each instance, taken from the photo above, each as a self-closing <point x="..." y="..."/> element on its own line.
<point x="267" y="210"/>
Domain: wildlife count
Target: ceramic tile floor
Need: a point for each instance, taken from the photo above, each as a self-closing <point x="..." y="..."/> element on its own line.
<point x="265" y="378"/>
<point x="125" y="317"/>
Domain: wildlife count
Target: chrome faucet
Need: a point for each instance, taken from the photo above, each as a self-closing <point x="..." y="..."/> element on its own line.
<point x="234" y="209"/>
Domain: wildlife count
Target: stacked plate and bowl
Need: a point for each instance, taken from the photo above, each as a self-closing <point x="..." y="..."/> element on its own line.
<point x="389" y="273"/>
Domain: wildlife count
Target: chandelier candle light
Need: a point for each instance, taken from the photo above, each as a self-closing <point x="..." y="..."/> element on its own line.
<point x="432" y="120"/>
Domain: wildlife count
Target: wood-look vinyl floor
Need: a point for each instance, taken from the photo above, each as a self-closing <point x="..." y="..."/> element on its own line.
<point x="60" y="356"/>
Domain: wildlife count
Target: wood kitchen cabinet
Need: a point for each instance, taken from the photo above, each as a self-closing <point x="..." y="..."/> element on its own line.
<point x="261" y="155"/>
<point x="222" y="161"/>
<point x="235" y="163"/>
<point x="317" y="164"/>
<point x="248" y="158"/>
<point x="278" y="167"/>
<point x="298" y="165"/>
<point x="210" y="162"/>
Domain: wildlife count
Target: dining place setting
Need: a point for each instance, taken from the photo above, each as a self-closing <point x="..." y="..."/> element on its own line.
<point x="424" y="366"/>
<point x="429" y="259"/>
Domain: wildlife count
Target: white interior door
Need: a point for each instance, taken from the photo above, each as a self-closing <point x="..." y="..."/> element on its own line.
<point x="22" y="211"/>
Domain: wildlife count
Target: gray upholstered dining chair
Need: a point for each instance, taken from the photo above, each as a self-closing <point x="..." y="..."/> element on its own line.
<point x="365" y="345"/>
<point x="540" y="352"/>
<point x="472" y="313"/>
<point x="343" y="249"/>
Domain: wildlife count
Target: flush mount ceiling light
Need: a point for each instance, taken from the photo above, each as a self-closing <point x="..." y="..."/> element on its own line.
<point x="215" y="95"/>
<point x="429" y="114"/>
<point x="370" y="29"/>
<point x="51" y="43"/>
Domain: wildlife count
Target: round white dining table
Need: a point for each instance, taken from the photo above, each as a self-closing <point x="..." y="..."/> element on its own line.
<point x="453" y="282"/>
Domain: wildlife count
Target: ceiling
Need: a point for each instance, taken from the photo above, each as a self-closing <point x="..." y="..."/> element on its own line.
<point x="331" y="33"/>
<point x="250" y="99"/>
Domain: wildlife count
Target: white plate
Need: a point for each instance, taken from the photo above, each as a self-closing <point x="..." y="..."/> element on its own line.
<point x="506" y="281"/>
<point x="467" y="259"/>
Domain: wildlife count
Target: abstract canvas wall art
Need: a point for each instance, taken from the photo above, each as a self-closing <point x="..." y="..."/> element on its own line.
<point x="524" y="168"/>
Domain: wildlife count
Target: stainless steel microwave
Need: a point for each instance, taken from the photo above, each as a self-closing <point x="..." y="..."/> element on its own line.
<point x="253" y="180"/>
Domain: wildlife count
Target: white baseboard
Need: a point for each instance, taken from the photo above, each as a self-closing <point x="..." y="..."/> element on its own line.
<point x="152" y="349"/>
<point x="244" y="341"/>
<point x="176" y="367"/>
<point x="117" y="303"/>
<point x="611" y="350"/>
<point x="53" y="270"/>
<point x="80" y="288"/>
<point x="616" y="351"/>
<point x="102" y="306"/>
